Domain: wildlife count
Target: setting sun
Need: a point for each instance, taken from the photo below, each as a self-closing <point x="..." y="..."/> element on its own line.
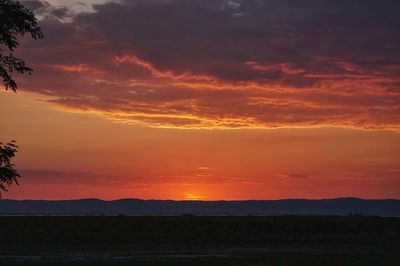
<point x="190" y="196"/>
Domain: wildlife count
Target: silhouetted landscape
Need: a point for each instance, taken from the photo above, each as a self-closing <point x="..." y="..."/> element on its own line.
<point x="199" y="240"/>
<point x="340" y="206"/>
<point x="343" y="231"/>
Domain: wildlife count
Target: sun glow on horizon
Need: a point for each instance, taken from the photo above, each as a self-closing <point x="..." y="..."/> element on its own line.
<point x="191" y="196"/>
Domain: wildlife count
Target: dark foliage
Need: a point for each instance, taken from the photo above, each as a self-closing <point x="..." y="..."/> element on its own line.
<point x="8" y="175"/>
<point x="15" y="20"/>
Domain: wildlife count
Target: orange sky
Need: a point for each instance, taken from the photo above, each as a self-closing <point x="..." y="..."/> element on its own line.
<point x="76" y="155"/>
<point x="215" y="100"/>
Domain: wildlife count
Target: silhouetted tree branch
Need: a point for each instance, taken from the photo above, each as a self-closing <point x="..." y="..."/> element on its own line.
<point x="8" y="175"/>
<point x="15" y="20"/>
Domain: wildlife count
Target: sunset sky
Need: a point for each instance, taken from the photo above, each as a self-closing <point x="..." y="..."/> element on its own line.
<point x="208" y="100"/>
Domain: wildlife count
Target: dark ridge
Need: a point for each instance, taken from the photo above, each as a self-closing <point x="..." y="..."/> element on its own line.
<point x="339" y="206"/>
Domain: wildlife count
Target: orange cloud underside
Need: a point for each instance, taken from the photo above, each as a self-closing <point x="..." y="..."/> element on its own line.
<point x="164" y="98"/>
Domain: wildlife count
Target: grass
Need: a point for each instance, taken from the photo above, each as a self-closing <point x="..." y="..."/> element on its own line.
<point x="200" y="240"/>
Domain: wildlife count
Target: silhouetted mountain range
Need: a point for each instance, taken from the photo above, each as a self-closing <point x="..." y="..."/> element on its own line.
<point x="339" y="206"/>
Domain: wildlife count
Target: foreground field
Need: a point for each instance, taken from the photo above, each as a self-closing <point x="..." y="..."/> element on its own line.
<point x="200" y="240"/>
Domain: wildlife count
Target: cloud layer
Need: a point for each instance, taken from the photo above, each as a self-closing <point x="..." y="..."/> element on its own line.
<point x="223" y="64"/>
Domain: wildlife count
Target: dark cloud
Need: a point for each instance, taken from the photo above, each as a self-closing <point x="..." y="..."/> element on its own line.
<point x="224" y="63"/>
<point x="35" y="5"/>
<point x="199" y="176"/>
<point x="70" y="178"/>
<point x="44" y="8"/>
<point x="204" y="37"/>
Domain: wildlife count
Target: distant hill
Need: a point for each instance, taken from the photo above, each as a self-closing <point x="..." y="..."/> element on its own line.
<point x="340" y="206"/>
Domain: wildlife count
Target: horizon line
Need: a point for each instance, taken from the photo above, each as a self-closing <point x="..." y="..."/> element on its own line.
<point x="220" y="200"/>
